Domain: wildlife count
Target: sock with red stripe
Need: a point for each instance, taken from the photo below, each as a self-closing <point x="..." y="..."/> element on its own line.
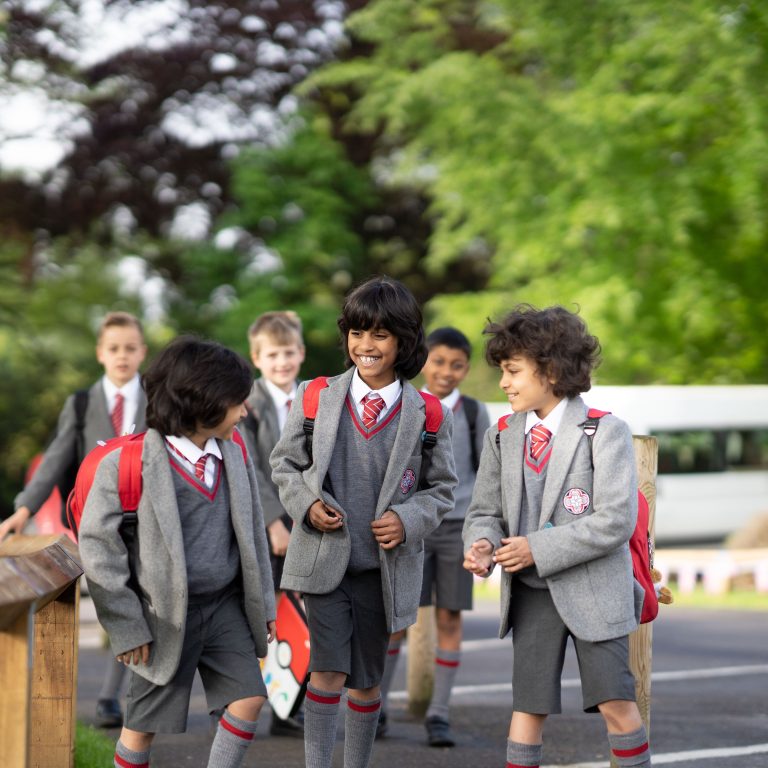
<point x="360" y="731"/>
<point x="523" y="755"/>
<point x="390" y="664"/>
<point x="631" y="749"/>
<point x="321" y="711"/>
<point x="127" y="758"/>
<point x="233" y="737"/>
<point x="446" y="667"/>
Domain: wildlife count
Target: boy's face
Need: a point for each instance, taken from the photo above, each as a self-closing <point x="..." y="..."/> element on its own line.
<point x="278" y="363"/>
<point x="445" y="369"/>
<point x="224" y="429"/>
<point x="526" y="388"/>
<point x="374" y="353"/>
<point x="121" y="350"/>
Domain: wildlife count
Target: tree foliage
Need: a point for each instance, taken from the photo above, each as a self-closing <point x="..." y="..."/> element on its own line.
<point x="611" y="154"/>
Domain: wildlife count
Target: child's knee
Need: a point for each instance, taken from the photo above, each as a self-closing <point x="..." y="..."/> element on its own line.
<point x="247" y="709"/>
<point x="620" y="715"/>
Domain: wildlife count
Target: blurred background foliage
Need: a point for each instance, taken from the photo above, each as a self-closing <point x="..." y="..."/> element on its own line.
<point x="219" y="159"/>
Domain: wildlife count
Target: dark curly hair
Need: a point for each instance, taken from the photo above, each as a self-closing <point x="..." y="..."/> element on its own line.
<point x="192" y="383"/>
<point x="554" y="338"/>
<point x="382" y="302"/>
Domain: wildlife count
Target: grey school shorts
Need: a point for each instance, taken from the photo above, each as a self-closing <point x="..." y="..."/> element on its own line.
<point x="217" y="642"/>
<point x="446" y="583"/>
<point x="538" y="639"/>
<point x="348" y="630"/>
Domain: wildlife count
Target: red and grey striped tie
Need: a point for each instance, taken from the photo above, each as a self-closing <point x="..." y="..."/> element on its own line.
<point x="540" y="437"/>
<point x="373" y="404"/>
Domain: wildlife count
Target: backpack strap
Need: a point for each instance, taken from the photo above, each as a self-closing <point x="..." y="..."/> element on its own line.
<point x="434" y="418"/>
<point x="471" y="409"/>
<point x="129" y="473"/>
<point x="81" y="406"/>
<point x="310" y="403"/>
<point x="590" y="425"/>
<point x="502" y="425"/>
<point x="238" y="439"/>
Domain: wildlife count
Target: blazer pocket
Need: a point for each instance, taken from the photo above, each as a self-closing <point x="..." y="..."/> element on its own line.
<point x="613" y="587"/>
<point x="303" y="548"/>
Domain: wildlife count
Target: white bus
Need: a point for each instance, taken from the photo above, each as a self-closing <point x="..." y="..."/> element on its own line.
<point x="713" y="453"/>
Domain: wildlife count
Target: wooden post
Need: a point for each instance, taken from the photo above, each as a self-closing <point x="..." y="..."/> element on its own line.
<point x="641" y="640"/>
<point x="39" y="601"/>
<point x="421" y="661"/>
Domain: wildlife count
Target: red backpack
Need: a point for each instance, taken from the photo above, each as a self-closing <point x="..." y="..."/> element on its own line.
<point x="434" y="413"/>
<point x="128" y="477"/>
<point x="640" y="544"/>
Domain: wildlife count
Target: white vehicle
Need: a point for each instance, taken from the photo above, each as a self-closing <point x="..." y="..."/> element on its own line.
<point x="713" y="453"/>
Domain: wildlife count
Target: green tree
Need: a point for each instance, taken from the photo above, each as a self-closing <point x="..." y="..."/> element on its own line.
<point x="611" y="155"/>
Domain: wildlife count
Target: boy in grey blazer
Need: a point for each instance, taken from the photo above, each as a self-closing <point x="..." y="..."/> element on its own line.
<point x="189" y="588"/>
<point x="277" y="352"/>
<point x="362" y="503"/>
<point x="120" y="349"/>
<point x="556" y="514"/>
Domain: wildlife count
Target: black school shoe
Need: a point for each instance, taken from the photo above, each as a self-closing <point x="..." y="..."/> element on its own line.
<point x="108" y="713"/>
<point x="438" y="732"/>
<point x="291" y="726"/>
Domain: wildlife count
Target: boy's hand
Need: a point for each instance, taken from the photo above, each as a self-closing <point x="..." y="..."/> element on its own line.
<point x="271" y="629"/>
<point x="15" y="523"/>
<point x="478" y="559"/>
<point x="135" y="656"/>
<point x="279" y="536"/>
<point x="514" y="554"/>
<point x="388" y="530"/>
<point x="324" y="518"/>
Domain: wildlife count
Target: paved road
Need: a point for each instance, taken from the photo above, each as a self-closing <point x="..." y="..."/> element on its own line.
<point x="709" y="703"/>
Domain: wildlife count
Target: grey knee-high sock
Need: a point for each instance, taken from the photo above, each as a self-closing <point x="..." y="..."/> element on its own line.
<point x="321" y="711"/>
<point x="360" y="731"/>
<point x="631" y="749"/>
<point x="233" y="737"/>
<point x="523" y="755"/>
<point x="390" y="665"/>
<point x="113" y="679"/>
<point x="127" y="758"/>
<point x="446" y="667"/>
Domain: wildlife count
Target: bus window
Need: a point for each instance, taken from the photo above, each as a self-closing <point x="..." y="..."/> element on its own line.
<point x="706" y="450"/>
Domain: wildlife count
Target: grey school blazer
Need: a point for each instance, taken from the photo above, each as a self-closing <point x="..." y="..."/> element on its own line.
<point x="316" y="562"/>
<point x="582" y="553"/>
<point x="155" y="609"/>
<point x="260" y="446"/>
<point x="60" y="453"/>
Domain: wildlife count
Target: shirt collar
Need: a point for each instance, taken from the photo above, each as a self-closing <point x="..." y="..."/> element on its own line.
<point x="552" y="420"/>
<point x="129" y="391"/>
<point x="190" y="451"/>
<point x="279" y="397"/>
<point x="359" y="389"/>
<point x="449" y="401"/>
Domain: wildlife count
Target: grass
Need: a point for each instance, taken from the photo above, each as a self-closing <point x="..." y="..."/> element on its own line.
<point x="737" y="599"/>
<point x="92" y="748"/>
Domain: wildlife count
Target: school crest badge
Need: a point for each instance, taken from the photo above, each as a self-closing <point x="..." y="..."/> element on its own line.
<point x="407" y="481"/>
<point x="576" y="501"/>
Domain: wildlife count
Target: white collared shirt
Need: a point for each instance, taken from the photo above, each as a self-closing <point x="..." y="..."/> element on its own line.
<point x="358" y="389"/>
<point x="449" y="401"/>
<point x="190" y="453"/>
<point x="280" y="399"/>
<point x="130" y="393"/>
<point x="552" y="420"/>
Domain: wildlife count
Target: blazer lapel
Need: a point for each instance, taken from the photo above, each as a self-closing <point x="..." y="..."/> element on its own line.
<point x="326" y="429"/>
<point x="141" y="413"/>
<point x="568" y="436"/>
<point x="513" y="479"/>
<point x="156" y="471"/>
<point x="410" y="425"/>
<point x="98" y="396"/>
<point x="266" y="409"/>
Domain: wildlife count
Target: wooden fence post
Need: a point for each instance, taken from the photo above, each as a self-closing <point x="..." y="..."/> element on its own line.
<point x="421" y="661"/>
<point x="641" y="640"/>
<point x="39" y="602"/>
